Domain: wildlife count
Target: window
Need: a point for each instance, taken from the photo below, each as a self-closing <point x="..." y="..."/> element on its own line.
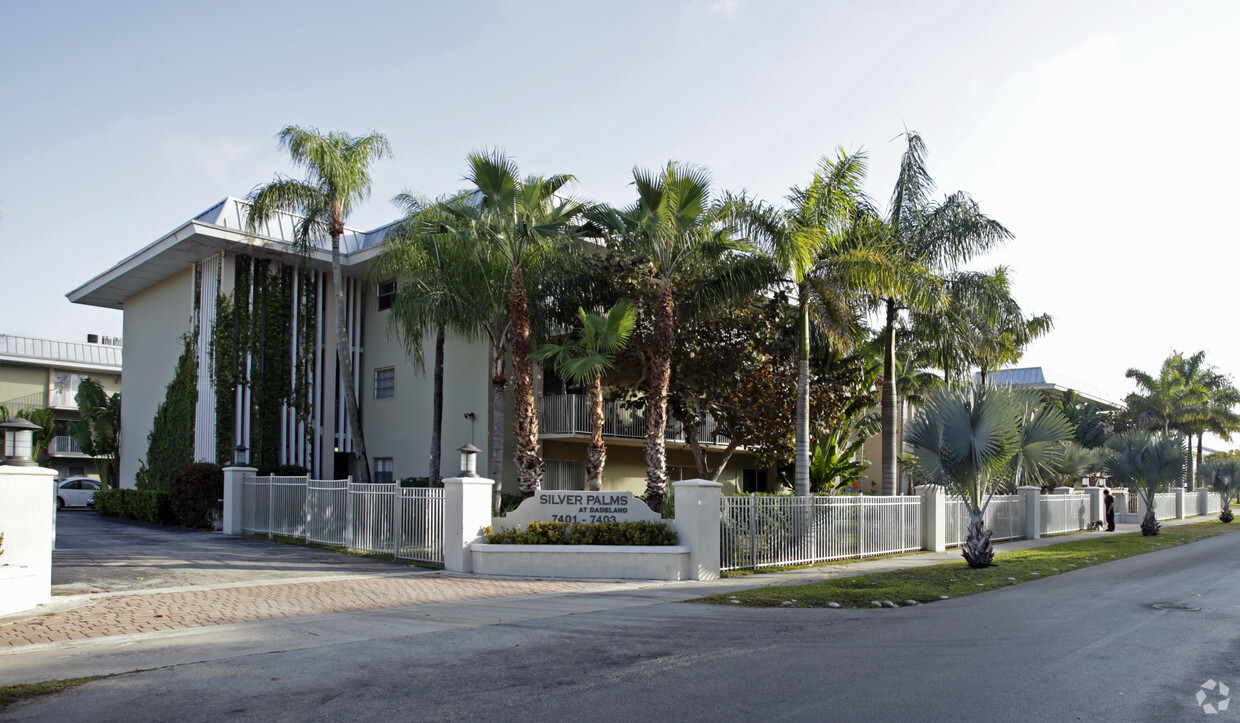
<point x="564" y="475"/>
<point x="89" y="485"/>
<point x="385" y="383"/>
<point x="383" y="470"/>
<point x="386" y="294"/>
<point x="751" y="479"/>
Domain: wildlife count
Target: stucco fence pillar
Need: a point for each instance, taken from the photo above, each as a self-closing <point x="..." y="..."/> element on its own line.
<point x="467" y="514"/>
<point x="28" y="521"/>
<point x="1098" y="504"/>
<point x="1033" y="510"/>
<point x="234" y="497"/>
<point x="933" y="517"/>
<point x="1180" y="512"/>
<point x="698" y="504"/>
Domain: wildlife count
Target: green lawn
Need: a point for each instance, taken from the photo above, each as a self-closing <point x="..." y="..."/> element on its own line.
<point x="956" y="579"/>
<point x="10" y="694"/>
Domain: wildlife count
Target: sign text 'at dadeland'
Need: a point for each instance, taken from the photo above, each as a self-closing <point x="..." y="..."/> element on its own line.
<point x="585" y="507"/>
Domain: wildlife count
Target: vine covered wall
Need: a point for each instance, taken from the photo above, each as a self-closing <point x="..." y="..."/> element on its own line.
<point x="171" y="441"/>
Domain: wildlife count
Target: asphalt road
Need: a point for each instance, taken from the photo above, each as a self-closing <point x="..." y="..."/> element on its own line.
<point x="1084" y="645"/>
<point x="103" y="554"/>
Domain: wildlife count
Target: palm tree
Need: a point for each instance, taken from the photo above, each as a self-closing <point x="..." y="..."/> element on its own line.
<point x="1222" y="474"/>
<point x="517" y="218"/>
<point x="938" y="236"/>
<point x="440" y="291"/>
<point x="1175" y="400"/>
<point x="337" y="178"/>
<point x="819" y="242"/>
<point x="674" y="232"/>
<point x="582" y="360"/>
<point x="1217" y="413"/>
<point x="1149" y="461"/>
<point x="98" y="432"/>
<point x="977" y="439"/>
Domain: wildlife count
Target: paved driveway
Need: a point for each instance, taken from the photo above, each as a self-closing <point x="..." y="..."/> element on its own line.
<point x="96" y="554"/>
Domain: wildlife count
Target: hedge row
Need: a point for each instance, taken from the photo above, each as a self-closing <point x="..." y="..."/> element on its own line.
<point x="146" y="505"/>
<point x="577" y="533"/>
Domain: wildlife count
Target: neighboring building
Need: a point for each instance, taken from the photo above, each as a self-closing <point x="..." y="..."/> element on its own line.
<point x="258" y="320"/>
<point x="42" y="373"/>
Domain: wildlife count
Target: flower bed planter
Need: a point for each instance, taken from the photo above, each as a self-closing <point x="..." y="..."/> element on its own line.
<point x="598" y="562"/>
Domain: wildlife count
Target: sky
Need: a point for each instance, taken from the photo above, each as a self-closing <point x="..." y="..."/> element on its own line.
<point x="1096" y="132"/>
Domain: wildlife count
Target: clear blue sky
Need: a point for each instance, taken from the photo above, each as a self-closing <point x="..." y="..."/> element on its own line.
<point x="1098" y="132"/>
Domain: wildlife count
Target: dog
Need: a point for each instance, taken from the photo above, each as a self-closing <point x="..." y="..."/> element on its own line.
<point x="1097" y="526"/>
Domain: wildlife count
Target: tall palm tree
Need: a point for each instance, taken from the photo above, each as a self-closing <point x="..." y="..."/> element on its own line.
<point x="673" y="231"/>
<point x="582" y="360"/>
<point x="1149" y="461"/>
<point x="936" y="235"/>
<point x="337" y="169"/>
<point x="1173" y="401"/>
<point x="1216" y="413"/>
<point x="439" y="291"/>
<point x="977" y="439"/>
<point x="518" y="218"/>
<point x="820" y="244"/>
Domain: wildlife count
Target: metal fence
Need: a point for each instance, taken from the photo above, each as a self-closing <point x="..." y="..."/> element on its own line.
<point x="570" y="413"/>
<point x="1065" y="513"/>
<point x="773" y="531"/>
<point x="405" y="522"/>
<point x="1004" y="517"/>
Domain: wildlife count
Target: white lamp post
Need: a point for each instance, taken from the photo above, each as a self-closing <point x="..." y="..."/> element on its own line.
<point x="19" y="442"/>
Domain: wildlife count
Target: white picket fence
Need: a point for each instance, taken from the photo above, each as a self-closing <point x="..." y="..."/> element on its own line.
<point x="1065" y="513"/>
<point x="1164" y="506"/>
<point x="775" y="531"/>
<point x="405" y="522"/>
<point x="1005" y="518"/>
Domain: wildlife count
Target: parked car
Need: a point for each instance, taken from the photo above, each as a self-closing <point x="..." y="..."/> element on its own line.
<point x="76" y="492"/>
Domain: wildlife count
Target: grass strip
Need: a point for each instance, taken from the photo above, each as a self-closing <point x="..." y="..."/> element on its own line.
<point x="957" y="579"/>
<point x="10" y="694"/>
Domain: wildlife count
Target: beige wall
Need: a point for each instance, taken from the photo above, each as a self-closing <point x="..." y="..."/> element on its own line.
<point x="19" y="380"/>
<point x="400" y="427"/>
<point x="155" y="320"/>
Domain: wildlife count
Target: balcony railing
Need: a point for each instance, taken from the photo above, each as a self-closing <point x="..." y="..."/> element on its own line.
<point x="65" y="445"/>
<point x="570" y="414"/>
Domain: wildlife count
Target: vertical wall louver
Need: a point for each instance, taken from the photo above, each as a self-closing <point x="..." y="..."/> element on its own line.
<point x="208" y="290"/>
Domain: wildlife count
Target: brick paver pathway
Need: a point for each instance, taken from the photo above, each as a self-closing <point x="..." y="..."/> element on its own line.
<point x="147" y="612"/>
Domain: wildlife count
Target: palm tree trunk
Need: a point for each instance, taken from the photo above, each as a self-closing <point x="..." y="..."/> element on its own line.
<point x="978" y="552"/>
<point x="344" y="357"/>
<point x="891" y="442"/>
<point x="596" y="453"/>
<point x="802" y="442"/>
<point x="437" y="409"/>
<point x="656" y="397"/>
<point x="525" y="420"/>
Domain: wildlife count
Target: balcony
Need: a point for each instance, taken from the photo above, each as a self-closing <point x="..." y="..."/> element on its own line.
<point x="65" y="446"/>
<point x="565" y="414"/>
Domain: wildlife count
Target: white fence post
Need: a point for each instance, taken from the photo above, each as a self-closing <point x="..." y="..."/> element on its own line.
<point x="1033" y="511"/>
<point x="1179" y="503"/>
<point x="933" y="517"/>
<point x="28" y="519"/>
<point x="1098" y="505"/>
<point x="234" y="498"/>
<point x="698" y="504"/>
<point x="467" y="512"/>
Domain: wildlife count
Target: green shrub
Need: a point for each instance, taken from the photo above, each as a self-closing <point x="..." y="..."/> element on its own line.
<point x="197" y="488"/>
<point x="417" y="482"/>
<point x="145" y="505"/>
<point x="578" y="533"/>
<point x="283" y="470"/>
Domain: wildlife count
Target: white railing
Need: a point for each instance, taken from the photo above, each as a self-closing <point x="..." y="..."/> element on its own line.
<point x="1065" y="513"/>
<point x="1005" y="518"/>
<point x="570" y="414"/>
<point x="405" y="522"/>
<point x="1164" y="505"/>
<point x="774" y="531"/>
<point x="64" y="445"/>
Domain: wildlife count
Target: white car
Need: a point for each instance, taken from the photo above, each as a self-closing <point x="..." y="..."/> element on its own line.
<point x="76" y="492"/>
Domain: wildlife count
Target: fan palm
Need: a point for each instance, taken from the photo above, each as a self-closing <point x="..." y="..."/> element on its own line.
<point x="1148" y="461"/>
<point x="337" y="170"/>
<point x="517" y="218"/>
<point x="1222" y="474"/>
<point x="937" y="236"/>
<point x="582" y="360"/>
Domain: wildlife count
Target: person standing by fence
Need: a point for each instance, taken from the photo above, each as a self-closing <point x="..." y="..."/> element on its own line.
<point x="1109" y="502"/>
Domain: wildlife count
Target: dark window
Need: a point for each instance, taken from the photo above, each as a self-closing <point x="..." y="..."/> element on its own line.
<point x="386" y="293"/>
<point x="749" y="480"/>
<point x="383" y="470"/>
<point x="90" y="485"/>
<point x="385" y="383"/>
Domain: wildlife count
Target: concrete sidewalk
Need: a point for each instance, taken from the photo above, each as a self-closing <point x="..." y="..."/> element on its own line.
<point x="316" y="613"/>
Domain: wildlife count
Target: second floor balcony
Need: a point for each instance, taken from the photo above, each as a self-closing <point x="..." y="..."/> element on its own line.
<point x="569" y="414"/>
<point x="65" y="446"/>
